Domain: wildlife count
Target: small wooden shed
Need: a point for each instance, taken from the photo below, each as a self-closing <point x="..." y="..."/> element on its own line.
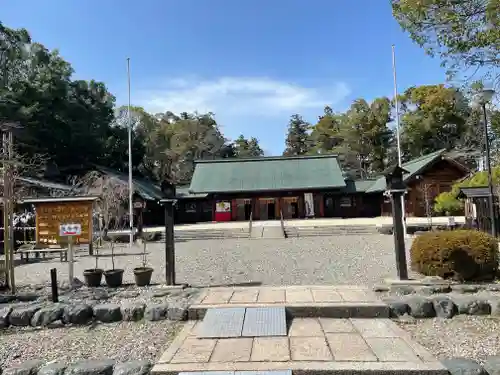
<point x="476" y="207"/>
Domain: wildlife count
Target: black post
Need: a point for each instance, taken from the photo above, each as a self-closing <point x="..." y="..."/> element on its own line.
<point x="399" y="239"/>
<point x="491" y="203"/>
<point x="169" y="242"/>
<point x="53" y="285"/>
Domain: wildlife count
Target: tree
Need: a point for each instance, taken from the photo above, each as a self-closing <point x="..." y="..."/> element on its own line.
<point x="244" y="148"/>
<point x="297" y="140"/>
<point x="464" y="34"/>
<point x="436" y="117"/>
<point x="326" y="134"/>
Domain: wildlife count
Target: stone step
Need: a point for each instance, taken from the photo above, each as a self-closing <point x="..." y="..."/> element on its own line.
<point x="299" y="301"/>
<point x="312" y="346"/>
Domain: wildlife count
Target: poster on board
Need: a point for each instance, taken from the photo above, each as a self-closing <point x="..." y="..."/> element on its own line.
<point x="223" y="206"/>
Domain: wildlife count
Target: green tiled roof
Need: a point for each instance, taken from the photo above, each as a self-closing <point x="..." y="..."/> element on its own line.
<point x="267" y="174"/>
<point x="358" y="186"/>
<point x="414" y="167"/>
<point x="182" y="192"/>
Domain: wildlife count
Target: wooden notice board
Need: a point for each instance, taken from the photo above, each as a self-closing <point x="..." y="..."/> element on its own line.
<point x="49" y="215"/>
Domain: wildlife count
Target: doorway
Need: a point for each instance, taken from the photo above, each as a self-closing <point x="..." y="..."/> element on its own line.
<point x="248" y="210"/>
<point x="271" y="211"/>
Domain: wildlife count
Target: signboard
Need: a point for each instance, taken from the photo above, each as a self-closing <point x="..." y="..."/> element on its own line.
<point x="309" y="203"/>
<point x="139" y="204"/>
<point x="223" y="207"/>
<point x="50" y="215"/>
<point x="66" y="230"/>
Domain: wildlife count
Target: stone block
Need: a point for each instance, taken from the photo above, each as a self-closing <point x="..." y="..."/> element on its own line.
<point x="26" y="368"/>
<point x="21" y="316"/>
<point x="177" y="311"/>
<point x="108" y="312"/>
<point x="232" y="350"/>
<point x="47" y="315"/>
<point x="156" y="312"/>
<point x="267" y="349"/>
<point x="305" y="327"/>
<point x="133" y="311"/>
<point x="444" y="307"/>
<point x="420" y="307"/>
<point x="374" y="327"/>
<point x="350" y="347"/>
<point x="332" y="325"/>
<point x="5" y="311"/>
<point x="325" y="295"/>
<point x="392" y="349"/>
<point x="298" y="295"/>
<point x="492" y="365"/>
<point x="463" y="366"/>
<point x="133" y="368"/>
<point x="309" y="349"/>
<point x="92" y="367"/>
<point x="56" y="368"/>
<point x="194" y="350"/>
<point x="77" y="314"/>
<point x="472" y="305"/>
<point x="271" y="296"/>
<point x="244" y="296"/>
<point x="216" y="297"/>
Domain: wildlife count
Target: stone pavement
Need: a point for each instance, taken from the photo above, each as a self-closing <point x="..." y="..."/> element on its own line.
<point x="313" y="346"/>
<point x="301" y="301"/>
<point x="330" y="330"/>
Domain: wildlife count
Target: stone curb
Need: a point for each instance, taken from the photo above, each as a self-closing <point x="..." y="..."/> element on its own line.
<point x="89" y="367"/>
<point x="38" y="315"/>
<point x="466" y="366"/>
<point x="441" y="300"/>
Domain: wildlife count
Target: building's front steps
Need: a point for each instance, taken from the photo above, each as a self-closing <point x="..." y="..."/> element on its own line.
<point x="330" y="330"/>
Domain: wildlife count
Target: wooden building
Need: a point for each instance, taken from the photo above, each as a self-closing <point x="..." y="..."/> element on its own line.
<point x="270" y="188"/>
<point x="429" y="176"/>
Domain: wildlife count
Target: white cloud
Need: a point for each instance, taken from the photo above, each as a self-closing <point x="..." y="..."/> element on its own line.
<point x="235" y="96"/>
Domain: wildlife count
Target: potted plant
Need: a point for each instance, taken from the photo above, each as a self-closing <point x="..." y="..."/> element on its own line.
<point x="143" y="274"/>
<point x="93" y="276"/>
<point x="114" y="276"/>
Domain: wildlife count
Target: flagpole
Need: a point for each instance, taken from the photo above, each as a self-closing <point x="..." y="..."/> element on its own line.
<point x="130" y="183"/>
<point x="398" y="131"/>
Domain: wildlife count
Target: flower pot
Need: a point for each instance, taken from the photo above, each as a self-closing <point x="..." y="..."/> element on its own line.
<point x="93" y="277"/>
<point x="143" y="275"/>
<point x="114" y="278"/>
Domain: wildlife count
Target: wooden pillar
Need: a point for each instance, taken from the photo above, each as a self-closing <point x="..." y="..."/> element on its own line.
<point x="214" y="200"/>
<point x="234" y="209"/>
<point x="277" y="207"/>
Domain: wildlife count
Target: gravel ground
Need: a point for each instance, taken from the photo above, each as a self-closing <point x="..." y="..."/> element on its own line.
<point x="361" y="259"/>
<point x="475" y="337"/>
<point x="122" y="341"/>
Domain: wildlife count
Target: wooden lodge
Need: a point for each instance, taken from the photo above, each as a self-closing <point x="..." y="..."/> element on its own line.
<point x="271" y="188"/>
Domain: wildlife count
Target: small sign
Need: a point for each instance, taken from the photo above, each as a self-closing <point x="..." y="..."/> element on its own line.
<point x="66" y="230"/>
<point x="138" y="204"/>
<point x="451" y="221"/>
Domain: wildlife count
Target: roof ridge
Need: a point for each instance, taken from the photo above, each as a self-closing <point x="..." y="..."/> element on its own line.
<point x="266" y="158"/>
<point x="426" y="156"/>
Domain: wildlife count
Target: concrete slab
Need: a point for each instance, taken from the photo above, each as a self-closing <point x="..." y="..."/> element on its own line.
<point x="352" y="347"/>
<point x="222" y="322"/>
<point x="267" y="321"/>
<point x="300" y="301"/>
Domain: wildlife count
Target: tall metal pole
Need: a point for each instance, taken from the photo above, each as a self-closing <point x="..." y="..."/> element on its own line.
<point x="490" y="177"/>
<point x="398" y="134"/>
<point x="130" y="182"/>
<point x="10" y="151"/>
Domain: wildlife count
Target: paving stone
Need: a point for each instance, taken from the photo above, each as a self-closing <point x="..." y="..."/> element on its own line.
<point x="217" y="297"/>
<point x="47" y="315"/>
<point x="177" y="311"/>
<point x="357" y="296"/>
<point x="108" y="312"/>
<point x="244" y="296"/>
<point x="309" y="349"/>
<point x="298" y="295"/>
<point x="77" y="314"/>
<point x="332" y="325"/>
<point x="397" y="307"/>
<point x="232" y="350"/>
<point x="472" y="305"/>
<point x="392" y="349"/>
<point x="326" y="295"/>
<point x="133" y="311"/>
<point x="264" y="321"/>
<point x="271" y="296"/>
<point x="5" y="311"/>
<point x="306" y="327"/>
<point x="421" y="307"/>
<point x="156" y="312"/>
<point x="350" y="347"/>
<point x="21" y="316"/>
<point x="374" y="327"/>
<point x="492" y="365"/>
<point x="463" y="366"/>
<point x="275" y="349"/>
<point x="194" y="350"/>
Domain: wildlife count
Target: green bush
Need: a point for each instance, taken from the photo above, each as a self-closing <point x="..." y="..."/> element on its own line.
<point x="448" y="204"/>
<point x="464" y="255"/>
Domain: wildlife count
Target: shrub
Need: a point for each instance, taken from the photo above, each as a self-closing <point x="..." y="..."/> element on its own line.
<point x="448" y="204"/>
<point x="464" y="255"/>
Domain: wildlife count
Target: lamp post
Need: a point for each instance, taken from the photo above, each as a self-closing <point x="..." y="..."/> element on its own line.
<point x="484" y="97"/>
<point x="396" y="188"/>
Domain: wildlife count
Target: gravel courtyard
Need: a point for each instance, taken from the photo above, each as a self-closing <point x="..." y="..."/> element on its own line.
<point x="361" y="259"/>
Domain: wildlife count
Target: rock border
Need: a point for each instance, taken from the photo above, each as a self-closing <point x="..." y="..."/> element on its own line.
<point x="442" y="300"/>
<point x="78" y="313"/>
<point x="88" y="367"/>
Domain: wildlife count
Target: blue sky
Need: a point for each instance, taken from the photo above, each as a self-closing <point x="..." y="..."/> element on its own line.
<point x="251" y="62"/>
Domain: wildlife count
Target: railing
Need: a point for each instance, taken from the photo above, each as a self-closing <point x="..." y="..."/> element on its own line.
<point x="282" y="224"/>
<point x="250" y="224"/>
